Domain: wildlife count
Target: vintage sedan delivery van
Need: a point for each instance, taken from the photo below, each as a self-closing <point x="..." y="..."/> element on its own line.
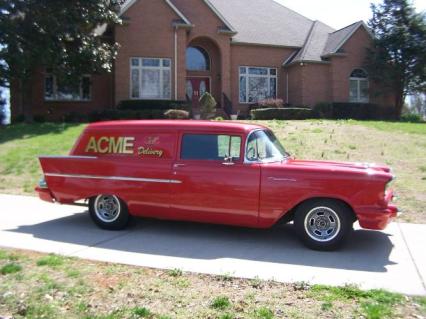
<point x="214" y="172"/>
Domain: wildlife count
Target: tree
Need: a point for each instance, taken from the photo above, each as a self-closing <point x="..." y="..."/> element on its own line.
<point x="418" y="103"/>
<point x="2" y="108"/>
<point x="398" y="60"/>
<point x="56" y="35"/>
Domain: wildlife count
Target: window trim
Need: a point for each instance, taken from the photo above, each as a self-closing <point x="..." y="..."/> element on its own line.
<point x="55" y="90"/>
<point x="232" y="134"/>
<point x="248" y="75"/>
<point x="358" y="82"/>
<point x="140" y="68"/>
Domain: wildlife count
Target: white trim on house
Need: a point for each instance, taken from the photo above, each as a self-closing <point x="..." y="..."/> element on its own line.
<point x="140" y="68"/>
<point x="248" y="75"/>
<point x="171" y="5"/>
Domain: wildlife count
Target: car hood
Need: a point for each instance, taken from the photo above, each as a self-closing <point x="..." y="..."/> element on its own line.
<point x="341" y="165"/>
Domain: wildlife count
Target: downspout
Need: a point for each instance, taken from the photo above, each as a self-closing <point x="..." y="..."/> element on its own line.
<point x="176" y="61"/>
<point x="287" y="77"/>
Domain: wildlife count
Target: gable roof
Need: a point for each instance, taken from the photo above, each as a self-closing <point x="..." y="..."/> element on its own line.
<point x="338" y="38"/>
<point x="268" y="23"/>
<point x="128" y="3"/>
<point x="264" y="22"/>
<point x="315" y="43"/>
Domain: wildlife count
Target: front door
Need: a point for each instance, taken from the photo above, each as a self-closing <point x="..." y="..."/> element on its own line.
<point x="195" y="88"/>
<point x="216" y="186"/>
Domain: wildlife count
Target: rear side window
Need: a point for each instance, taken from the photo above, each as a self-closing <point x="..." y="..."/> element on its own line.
<point x="210" y="147"/>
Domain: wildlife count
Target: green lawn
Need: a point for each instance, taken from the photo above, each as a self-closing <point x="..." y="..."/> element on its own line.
<point x="400" y="145"/>
<point x="34" y="286"/>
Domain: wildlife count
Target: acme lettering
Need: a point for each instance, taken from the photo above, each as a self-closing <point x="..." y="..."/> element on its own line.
<point x="150" y="152"/>
<point x="110" y="145"/>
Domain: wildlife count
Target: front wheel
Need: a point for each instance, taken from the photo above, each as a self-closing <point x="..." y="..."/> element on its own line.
<point x="109" y="212"/>
<point x="323" y="224"/>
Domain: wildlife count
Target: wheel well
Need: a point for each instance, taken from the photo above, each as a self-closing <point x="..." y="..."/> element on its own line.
<point x="289" y="216"/>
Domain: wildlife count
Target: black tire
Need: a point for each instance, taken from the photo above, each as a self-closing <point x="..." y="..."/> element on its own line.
<point x="109" y="212"/>
<point x="323" y="224"/>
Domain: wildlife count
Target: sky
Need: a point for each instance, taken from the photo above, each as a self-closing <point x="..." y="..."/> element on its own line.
<point x="338" y="13"/>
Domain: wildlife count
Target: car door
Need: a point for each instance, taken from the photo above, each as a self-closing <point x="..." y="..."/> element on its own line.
<point x="216" y="186"/>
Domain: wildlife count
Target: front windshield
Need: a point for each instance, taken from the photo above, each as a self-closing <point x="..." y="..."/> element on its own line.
<point x="263" y="145"/>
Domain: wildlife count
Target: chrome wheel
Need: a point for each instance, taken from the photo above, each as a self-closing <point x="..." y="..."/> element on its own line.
<point x="107" y="208"/>
<point x="322" y="224"/>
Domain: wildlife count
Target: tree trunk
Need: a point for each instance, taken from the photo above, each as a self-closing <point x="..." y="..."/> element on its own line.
<point x="399" y="104"/>
<point x="27" y="98"/>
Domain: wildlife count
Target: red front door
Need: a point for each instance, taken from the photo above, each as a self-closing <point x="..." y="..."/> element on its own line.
<point x="195" y="88"/>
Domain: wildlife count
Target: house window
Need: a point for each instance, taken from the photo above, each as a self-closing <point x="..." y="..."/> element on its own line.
<point x="150" y="78"/>
<point x="359" y="87"/>
<point x="55" y="90"/>
<point x="257" y="84"/>
<point x="197" y="59"/>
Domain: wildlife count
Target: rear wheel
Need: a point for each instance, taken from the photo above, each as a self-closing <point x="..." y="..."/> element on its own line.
<point x="323" y="224"/>
<point x="109" y="212"/>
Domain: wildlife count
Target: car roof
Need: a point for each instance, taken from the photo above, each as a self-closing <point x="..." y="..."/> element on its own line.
<point x="178" y="125"/>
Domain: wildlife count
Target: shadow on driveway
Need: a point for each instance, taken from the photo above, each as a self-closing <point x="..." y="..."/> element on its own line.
<point x="365" y="250"/>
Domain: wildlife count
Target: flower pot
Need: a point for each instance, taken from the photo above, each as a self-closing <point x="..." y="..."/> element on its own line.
<point x="234" y="117"/>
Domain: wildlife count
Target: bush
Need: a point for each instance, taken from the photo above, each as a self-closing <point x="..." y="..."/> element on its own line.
<point x="282" y="114"/>
<point x="176" y="114"/>
<point x="411" y="118"/>
<point x="138" y="105"/>
<point x="111" y="115"/>
<point x="208" y="105"/>
<point x="270" y="103"/>
<point x="356" y="111"/>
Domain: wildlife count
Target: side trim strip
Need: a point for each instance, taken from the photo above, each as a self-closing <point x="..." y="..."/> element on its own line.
<point x="118" y="178"/>
<point x="68" y="157"/>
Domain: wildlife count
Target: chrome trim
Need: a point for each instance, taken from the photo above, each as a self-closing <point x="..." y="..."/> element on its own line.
<point x="117" y="178"/>
<point x="275" y="179"/>
<point x="246" y="160"/>
<point x="68" y="156"/>
<point x="258" y="161"/>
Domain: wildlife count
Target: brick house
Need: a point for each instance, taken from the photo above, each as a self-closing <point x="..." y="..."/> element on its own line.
<point x="241" y="51"/>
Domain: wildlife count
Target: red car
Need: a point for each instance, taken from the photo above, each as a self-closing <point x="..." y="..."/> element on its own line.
<point x="215" y="172"/>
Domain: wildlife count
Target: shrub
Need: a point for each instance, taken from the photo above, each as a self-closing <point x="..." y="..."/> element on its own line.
<point x="411" y="118"/>
<point x="208" y="105"/>
<point x="282" y="114"/>
<point x="177" y="114"/>
<point x="138" y="105"/>
<point x="270" y="103"/>
<point x="111" y="115"/>
<point x="39" y="118"/>
<point x="357" y="111"/>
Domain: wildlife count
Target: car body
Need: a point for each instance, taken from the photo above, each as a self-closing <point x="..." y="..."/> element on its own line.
<point x="215" y="172"/>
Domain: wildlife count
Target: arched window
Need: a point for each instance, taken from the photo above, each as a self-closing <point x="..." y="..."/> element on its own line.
<point x="358" y="86"/>
<point x="197" y="59"/>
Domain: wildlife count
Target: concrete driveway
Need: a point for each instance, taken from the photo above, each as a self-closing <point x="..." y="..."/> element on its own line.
<point x="394" y="259"/>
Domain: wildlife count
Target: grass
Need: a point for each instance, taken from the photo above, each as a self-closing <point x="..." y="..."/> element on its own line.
<point x="221" y="303"/>
<point x="400" y="145"/>
<point x="10" y="269"/>
<point x="51" y="261"/>
<point x="108" y="291"/>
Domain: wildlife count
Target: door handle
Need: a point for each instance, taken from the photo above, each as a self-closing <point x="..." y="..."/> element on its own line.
<point x="228" y="164"/>
<point x="179" y="165"/>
